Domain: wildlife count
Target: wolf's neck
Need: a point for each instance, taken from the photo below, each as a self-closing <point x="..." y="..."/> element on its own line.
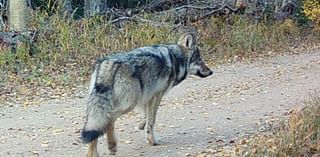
<point x="181" y="68"/>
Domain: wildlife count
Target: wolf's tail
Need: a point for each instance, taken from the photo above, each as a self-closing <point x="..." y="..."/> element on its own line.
<point x="97" y="118"/>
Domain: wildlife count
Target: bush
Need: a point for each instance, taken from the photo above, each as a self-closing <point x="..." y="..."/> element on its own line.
<point x="311" y="8"/>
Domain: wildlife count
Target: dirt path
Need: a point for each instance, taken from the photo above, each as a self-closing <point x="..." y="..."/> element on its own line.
<point x="197" y="114"/>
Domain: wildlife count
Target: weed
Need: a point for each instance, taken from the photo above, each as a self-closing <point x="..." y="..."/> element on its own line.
<point x="299" y="136"/>
<point x="66" y="50"/>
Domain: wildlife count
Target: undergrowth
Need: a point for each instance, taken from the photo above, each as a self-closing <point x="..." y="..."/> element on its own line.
<point x="65" y="50"/>
<point x="241" y="37"/>
<point x="299" y="136"/>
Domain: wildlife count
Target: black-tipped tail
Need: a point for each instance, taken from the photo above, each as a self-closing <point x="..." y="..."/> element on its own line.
<point x="89" y="136"/>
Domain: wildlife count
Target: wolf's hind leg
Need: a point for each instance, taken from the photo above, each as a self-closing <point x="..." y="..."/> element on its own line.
<point x="142" y="124"/>
<point x="112" y="141"/>
<point x="144" y="112"/>
<point x="152" y="108"/>
<point x="92" y="151"/>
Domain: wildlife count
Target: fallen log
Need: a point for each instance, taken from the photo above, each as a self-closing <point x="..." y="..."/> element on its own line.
<point x="10" y="40"/>
<point x="176" y="16"/>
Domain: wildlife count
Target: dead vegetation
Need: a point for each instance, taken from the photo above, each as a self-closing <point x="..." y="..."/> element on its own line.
<point x="296" y="135"/>
<point x="63" y="52"/>
<point x="56" y="57"/>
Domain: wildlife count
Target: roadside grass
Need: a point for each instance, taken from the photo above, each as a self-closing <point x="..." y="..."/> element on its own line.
<point x="298" y="136"/>
<point x="66" y="50"/>
<point x="238" y="38"/>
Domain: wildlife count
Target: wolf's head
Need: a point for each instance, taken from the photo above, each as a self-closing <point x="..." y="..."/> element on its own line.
<point x="196" y="65"/>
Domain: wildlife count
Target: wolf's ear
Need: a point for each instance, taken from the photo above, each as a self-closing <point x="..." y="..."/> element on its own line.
<point x="188" y="41"/>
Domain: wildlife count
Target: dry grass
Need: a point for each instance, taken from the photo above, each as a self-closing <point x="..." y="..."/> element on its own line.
<point x="239" y="36"/>
<point x="66" y="49"/>
<point x="299" y="136"/>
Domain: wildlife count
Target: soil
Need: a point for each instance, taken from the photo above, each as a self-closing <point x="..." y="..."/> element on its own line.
<point x="234" y="102"/>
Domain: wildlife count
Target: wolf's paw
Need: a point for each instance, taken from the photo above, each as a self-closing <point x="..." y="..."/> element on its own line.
<point x="112" y="153"/>
<point x="142" y="125"/>
<point x="93" y="154"/>
<point x="113" y="149"/>
<point x="153" y="142"/>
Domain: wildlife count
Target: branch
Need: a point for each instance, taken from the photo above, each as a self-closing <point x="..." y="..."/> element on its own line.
<point x="195" y="7"/>
<point x="120" y="19"/>
<point x="287" y="3"/>
<point x="182" y="14"/>
<point x="153" y="5"/>
<point x="212" y="12"/>
<point x="157" y="24"/>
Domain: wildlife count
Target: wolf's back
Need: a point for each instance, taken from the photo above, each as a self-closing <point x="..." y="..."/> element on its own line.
<point x="135" y="77"/>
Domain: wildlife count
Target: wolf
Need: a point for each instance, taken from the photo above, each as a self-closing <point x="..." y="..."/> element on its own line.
<point x="138" y="78"/>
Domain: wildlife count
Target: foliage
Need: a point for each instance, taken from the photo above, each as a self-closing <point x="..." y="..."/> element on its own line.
<point x="311" y="9"/>
<point x="241" y="37"/>
<point x="301" y="18"/>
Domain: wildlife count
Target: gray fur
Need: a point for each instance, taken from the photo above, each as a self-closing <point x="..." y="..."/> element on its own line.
<point x="138" y="78"/>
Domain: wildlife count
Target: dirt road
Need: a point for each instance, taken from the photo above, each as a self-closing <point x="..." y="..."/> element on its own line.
<point x="195" y="115"/>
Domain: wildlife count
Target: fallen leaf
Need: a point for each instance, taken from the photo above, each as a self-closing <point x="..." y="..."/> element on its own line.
<point x="127" y="142"/>
<point x="35" y="152"/>
<point x="244" y="141"/>
<point x="57" y="131"/>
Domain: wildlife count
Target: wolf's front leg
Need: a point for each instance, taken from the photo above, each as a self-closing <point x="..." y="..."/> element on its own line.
<point x="92" y="151"/>
<point x="152" y="108"/>
<point x="112" y="142"/>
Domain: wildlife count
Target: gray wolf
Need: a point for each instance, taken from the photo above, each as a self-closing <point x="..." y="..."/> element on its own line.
<point x="138" y="78"/>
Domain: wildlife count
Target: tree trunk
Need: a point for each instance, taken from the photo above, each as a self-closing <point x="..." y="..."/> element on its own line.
<point x="18" y="15"/>
<point x="94" y="7"/>
<point x="1" y="23"/>
<point x="252" y="8"/>
<point x="65" y="8"/>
